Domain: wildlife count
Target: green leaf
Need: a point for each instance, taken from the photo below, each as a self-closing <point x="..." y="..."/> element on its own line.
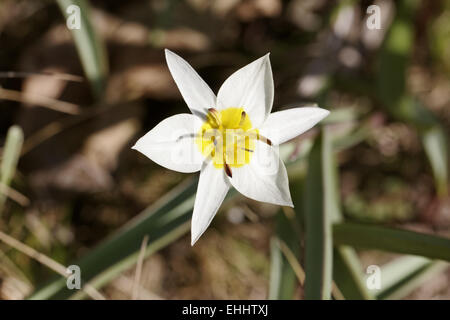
<point x="348" y="274"/>
<point x="435" y="145"/>
<point x="90" y="48"/>
<point x="282" y="276"/>
<point x="347" y="269"/>
<point x="10" y="158"/>
<point x="318" y="211"/>
<point x="401" y="276"/>
<point x="393" y="240"/>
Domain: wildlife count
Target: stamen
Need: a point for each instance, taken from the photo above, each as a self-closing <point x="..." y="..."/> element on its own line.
<point x="264" y="139"/>
<point x="257" y="136"/>
<point x="215" y="115"/>
<point x="248" y="150"/>
<point x="228" y="170"/>
<point x="243" y="116"/>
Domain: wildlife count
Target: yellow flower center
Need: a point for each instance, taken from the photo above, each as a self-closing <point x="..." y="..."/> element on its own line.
<point x="228" y="138"/>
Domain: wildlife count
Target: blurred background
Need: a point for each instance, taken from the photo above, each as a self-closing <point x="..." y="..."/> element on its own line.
<point x="73" y="102"/>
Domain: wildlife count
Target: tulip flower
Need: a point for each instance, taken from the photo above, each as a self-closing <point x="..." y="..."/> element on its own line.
<point x="231" y="138"/>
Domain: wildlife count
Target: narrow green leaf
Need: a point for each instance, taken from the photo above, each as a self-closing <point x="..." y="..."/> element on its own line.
<point x="393" y="240"/>
<point x="347" y="269"/>
<point x="435" y="145"/>
<point x="318" y="243"/>
<point x="403" y="275"/>
<point x="10" y="158"/>
<point x="348" y="274"/>
<point x="282" y="277"/>
<point x="280" y="287"/>
<point x="90" y="48"/>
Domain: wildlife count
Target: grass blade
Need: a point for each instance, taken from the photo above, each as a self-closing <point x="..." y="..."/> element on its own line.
<point x="90" y="48"/>
<point x="318" y="243"/>
<point x="347" y="269"/>
<point x="282" y="276"/>
<point x="401" y="276"/>
<point x="435" y="145"/>
<point x="393" y="240"/>
<point x="348" y="274"/>
<point x="10" y="158"/>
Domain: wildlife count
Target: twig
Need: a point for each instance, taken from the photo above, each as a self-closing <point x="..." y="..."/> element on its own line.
<point x="298" y="270"/>
<point x="53" y="104"/>
<point x="58" y="126"/>
<point x="48" y="262"/>
<point x="292" y="260"/>
<point x="137" y="276"/>
<point x="14" y="195"/>
<point x="24" y="74"/>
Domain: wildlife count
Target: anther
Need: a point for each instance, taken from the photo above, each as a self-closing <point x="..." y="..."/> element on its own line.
<point x="264" y="139"/>
<point x="228" y="170"/>
<point x="243" y="116"/>
<point x="215" y="115"/>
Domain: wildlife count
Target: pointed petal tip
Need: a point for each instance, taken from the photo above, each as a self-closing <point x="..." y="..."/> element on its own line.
<point x="194" y="238"/>
<point x="169" y="54"/>
<point x="322" y="113"/>
<point x="266" y="57"/>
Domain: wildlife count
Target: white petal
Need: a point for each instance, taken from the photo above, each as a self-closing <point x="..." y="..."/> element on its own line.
<point x="264" y="178"/>
<point x="251" y="87"/>
<point x="284" y="125"/>
<point x="164" y="146"/>
<point x="212" y="189"/>
<point x="197" y="94"/>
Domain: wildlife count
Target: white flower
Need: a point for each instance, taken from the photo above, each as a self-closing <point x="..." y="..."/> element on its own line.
<point x="232" y="138"/>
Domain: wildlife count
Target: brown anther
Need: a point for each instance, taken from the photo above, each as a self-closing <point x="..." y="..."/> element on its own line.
<point x="215" y="115"/>
<point x="243" y="116"/>
<point x="228" y="170"/>
<point x="264" y="139"/>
